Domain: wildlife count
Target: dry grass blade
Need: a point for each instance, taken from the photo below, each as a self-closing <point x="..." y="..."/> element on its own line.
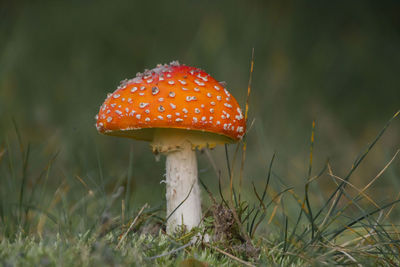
<point x="229" y="255"/>
<point x="381" y="172"/>
<point x="348" y="256"/>
<point x="340" y="249"/>
<point x="363" y="237"/>
<point x="132" y="224"/>
<point x="360" y="192"/>
<point x="249" y="84"/>
<point x="90" y="192"/>
<point x="330" y="210"/>
<point x="365" y="251"/>
<point x="299" y="200"/>
<point x="274" y="210"/>
<point x="390" y="210"/>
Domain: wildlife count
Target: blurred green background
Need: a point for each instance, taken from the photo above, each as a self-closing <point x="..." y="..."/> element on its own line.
<point x="336" y="62"/>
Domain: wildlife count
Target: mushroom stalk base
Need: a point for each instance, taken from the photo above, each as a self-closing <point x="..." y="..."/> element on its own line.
<point x="182" y="189"/>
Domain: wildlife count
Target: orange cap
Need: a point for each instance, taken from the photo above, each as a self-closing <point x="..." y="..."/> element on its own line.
<point x="171" y="96"/>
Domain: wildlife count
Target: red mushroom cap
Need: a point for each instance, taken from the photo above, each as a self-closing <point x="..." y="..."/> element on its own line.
<point x="171" y="96"/>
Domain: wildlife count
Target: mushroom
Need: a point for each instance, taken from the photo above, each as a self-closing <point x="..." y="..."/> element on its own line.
<point x="178" y="109"/>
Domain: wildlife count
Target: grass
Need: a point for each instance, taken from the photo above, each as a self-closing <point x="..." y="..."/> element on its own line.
<point x="76" y="222"/>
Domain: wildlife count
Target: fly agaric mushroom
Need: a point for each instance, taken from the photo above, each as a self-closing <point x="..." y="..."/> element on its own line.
<point x="177" y="109"/>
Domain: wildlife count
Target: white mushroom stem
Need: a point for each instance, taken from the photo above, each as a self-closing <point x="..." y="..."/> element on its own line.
<point x="181" y="172"/>
<point x="182" y="189"/>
